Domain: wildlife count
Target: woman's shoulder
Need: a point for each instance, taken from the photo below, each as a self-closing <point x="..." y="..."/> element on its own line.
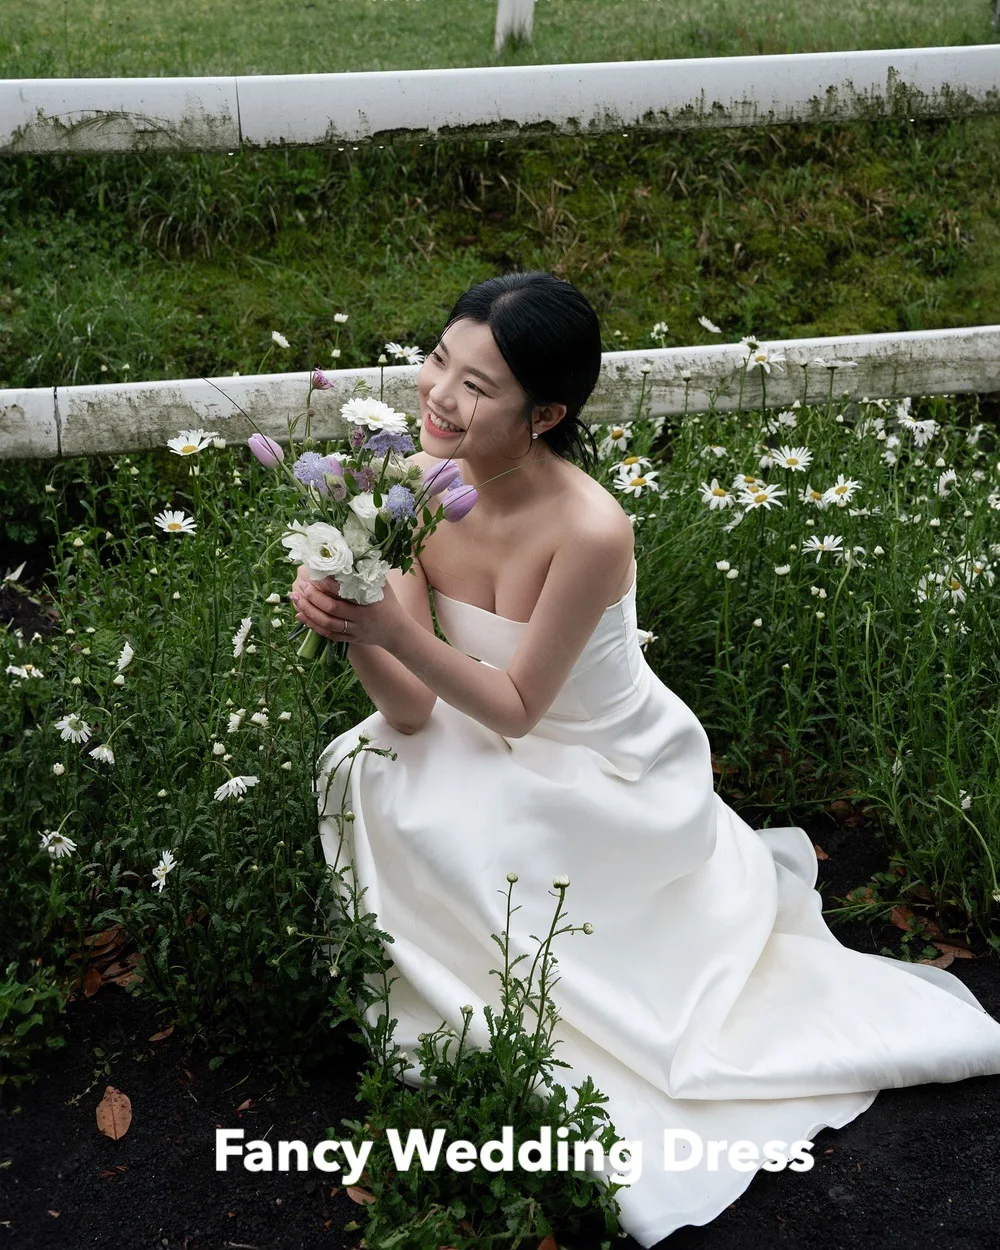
<point x="594" y="517"/>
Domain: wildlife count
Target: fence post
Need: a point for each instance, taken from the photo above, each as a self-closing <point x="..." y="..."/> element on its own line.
<point x="514" y="17"/>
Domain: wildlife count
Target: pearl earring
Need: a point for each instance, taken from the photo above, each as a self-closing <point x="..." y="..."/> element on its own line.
<point x="535" y="435"/>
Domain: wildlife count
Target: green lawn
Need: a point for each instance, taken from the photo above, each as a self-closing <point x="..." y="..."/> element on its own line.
<point x="81" y="38"/>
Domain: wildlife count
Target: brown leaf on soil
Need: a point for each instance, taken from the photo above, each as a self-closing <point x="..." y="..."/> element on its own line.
<point x="960" y="952"/>
<point x="55" y="1214"/>
<point x="245" y="1106"/>
<point x="361" y="1196"/>
<point x="107" y="937"/>
<point x="114" y="1113"/>
<point x="91" y="981"/>
<point x="820" y="853"/>
<point x="107" y="1174"/>
<point x="548" y="1243"/>
<point x="158" y="1037"/>
<point x="901" y="917"/>
<point x="128" y="978"/>
<point x="942" y="961"/>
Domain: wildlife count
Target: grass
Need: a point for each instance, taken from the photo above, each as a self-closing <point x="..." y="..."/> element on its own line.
<point x="80" y="38"/>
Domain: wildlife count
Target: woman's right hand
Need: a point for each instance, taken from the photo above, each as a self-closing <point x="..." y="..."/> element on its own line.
<point x="328" y="585"/>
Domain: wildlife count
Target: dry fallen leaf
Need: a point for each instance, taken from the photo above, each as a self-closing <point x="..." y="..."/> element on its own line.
<point x="960" y="952"/>
<point x="91" y="981"/>
<point x="360" y="1196"/>
<point x="114" y="1113"/>
<point x="245" y="1106"/>
<point x="158" y="1037"/>
<point x="942" y="961"/>
<point x="548" y="1243"/>
<point x="820" y="853"/>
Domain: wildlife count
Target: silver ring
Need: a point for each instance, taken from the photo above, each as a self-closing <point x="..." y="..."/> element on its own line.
<point x="344" y="630"/>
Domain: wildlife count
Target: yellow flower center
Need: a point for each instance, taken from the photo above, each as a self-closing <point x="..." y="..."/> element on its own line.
<point x="631" y="460"/>
<point x="638" y="481"/>
<point x="760" y="496"/>
<point x="720" y="492"/>
<point x="188" y="448"/>
<point x="174" y="525"/>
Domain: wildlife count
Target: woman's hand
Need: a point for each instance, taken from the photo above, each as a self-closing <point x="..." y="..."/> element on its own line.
<point x="319" y="605"/>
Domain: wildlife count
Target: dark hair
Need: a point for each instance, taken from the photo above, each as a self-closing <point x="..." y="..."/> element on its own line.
<point x="550" y="337"/>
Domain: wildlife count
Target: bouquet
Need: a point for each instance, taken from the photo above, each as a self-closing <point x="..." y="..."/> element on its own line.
<point x="370" y="507"/>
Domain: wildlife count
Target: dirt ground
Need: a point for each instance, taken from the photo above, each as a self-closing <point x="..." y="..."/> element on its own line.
<point x="920" y="1167"/>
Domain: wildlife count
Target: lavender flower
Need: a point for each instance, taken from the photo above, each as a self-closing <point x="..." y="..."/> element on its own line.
<point x="440" y="476"/>
<point x="384" y="441"/>
<point x="310" y="467"/>
<point x="458" y="500"/>
<point x="399" y="502"/>
<point x="267" y="451"/>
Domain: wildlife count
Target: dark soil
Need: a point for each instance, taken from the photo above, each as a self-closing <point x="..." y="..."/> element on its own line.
<point x="920" y="1167"/>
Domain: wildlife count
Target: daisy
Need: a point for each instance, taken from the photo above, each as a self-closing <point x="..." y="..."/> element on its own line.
<point x="104" y="754"/>
<point x="617" y="437"/>
<point x="340" y="318"/>
<point x="782" y="569"/>
<point x="946" y="478"/>
<point x="630" y="464"/>
<point x="842" y="490"/>
<point x="175" y="523"/>
<point x="761" y="358"/>
<point x="928" y="584"/>
<point x="645" y="638"/>
<point x="829" y="542"/>
<point x="713" y="329"/>
<point x="952" y="588"/>
<point x="57" y="844"/>
<point x="797" y="458"/>
<point x="410" y="355"/>
<point x="279" y="338"/>
<point x="126" y="657"/>
<point x="73" y="728"/>
<point x="166" y="865"/>
<point x="234" y="786"/>
<point x="373" y="414"/>
<point x="762" y="497"/>
<point x="240" y="637"/>
<point x="834" y="364"/>
<point x="188" y="442"/>
<point x="659" y="330"/>
<point x="738" y="516"/>
<point x="971" y="569"/>
<point x="635" y="484"/>
<point x="924" y="431"/>
<point x="716" y="496"/>
<point x="24" y="670"/>
<point x="747" y="481"/>
<point x="714" y="449"/>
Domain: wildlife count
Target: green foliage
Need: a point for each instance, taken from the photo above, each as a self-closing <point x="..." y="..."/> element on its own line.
<point x="30" y="1021"/>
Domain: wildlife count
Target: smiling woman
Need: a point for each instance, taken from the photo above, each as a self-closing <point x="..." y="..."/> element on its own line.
<point x="546" y="747"/>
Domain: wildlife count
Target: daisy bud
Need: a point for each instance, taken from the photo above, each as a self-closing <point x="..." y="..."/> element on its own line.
<point x="879" y="551"/>
<point x="560" y="883"/>
<point x="758" y="623"/>
<point x="467" y="1009"/>
<point x="722" y="565"/>
<point x="588" y="927"/>
<point x="786" y="666"/>
<point x="161" y="794"/>
<point x="512" y="877"/>
<point x="75" y="681"/>
<point x="733" y="573"/>
<point x="119" y="680"/>
<point x="348" y="815"/>
<point x="820" y="615"/>
<point x="287" y="766"/>
<point x="58" y="770"/>
<point x="77" y="542"/>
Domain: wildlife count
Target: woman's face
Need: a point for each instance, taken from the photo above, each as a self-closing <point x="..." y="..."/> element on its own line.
<point x="466" y="381"/>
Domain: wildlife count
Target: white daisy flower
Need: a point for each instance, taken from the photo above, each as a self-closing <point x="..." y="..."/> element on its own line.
<point x="714" y="449"/>
<point x="796" y="458"/>
<point x="630" y="464"/>
<point x="829" y="542"/>
<point x="710" y="326"/>
<point x="946" y="478"/>
<point x="24" y="670"/>
<point x="716" y="496"/>
<point x="73" y="728"/>
<point x="616" y="438"/>
<point x="761" y="358"/>
<point x="189" y="442"/>
<point x="234" y="786"/>
<point x="782" y="569"/>
<point x="842" y="490"/>
<point x="762" y="497"/>
<point x="175" y="523"/>
<point x="924" y="431"/>
<point x="104" y="754"/>
<point x="260" y="718"/>
<point x="340" y="318"/>
<point x="645" y="637"/>
<point x="126" y="657"/>
<point x="240" y="637"/>
<point x="747" y="481"/>
<point x="57" y="844"/>
<point x="374" y="415"/>
<point x="635" y="484"/>
<point x="279" y="338"/>
<point x="166" y="865"/>
<point x="738" y="516"/>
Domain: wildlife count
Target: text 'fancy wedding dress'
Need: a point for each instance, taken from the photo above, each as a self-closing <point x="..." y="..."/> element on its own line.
<point x="711" y="995"/>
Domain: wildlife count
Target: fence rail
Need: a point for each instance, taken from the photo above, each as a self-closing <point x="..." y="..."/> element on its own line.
<point x="137" y="416"/>
<point x="82" y="115"/>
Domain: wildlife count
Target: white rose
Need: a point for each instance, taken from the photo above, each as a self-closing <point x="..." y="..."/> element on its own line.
<point x="363" y="507"/>
<point x="321" y="546"/>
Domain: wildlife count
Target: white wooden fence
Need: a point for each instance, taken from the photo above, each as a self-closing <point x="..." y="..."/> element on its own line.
<point x="287" y="110"/>
<point x="85" y="420"/>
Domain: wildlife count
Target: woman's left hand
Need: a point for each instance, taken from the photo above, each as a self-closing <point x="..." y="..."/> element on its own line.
<point x="342" y="620"/>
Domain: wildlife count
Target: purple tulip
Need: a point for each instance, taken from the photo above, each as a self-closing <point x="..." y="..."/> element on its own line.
<point x="458" y="501"/>
<point x="267" y="451"/>
<point x="320" y="381"/>
<point x="335" y="466"/>
<point x="441" y="476"/>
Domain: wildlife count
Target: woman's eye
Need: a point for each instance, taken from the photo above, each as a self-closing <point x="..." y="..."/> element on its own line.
<point x="474" y="386"/>
<point x="435" y="356"/>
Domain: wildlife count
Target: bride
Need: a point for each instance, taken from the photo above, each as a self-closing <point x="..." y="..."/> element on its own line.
<point x="711" y="1003"/>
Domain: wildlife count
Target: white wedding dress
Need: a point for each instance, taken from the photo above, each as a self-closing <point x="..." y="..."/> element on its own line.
<point x="711" y="995"/>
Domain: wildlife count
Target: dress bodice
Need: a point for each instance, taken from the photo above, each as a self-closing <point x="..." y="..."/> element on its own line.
<point x="609" y="671"/>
